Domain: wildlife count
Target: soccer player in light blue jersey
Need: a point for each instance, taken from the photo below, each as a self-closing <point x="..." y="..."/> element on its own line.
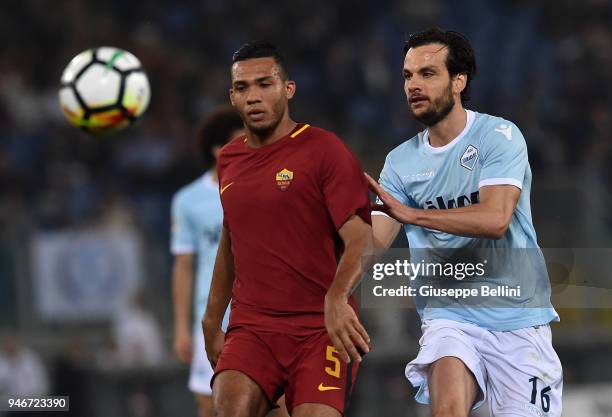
<point x="197" y="218"/>
<point x="465" y="182"/>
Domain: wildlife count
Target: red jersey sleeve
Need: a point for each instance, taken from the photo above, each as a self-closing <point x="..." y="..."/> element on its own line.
<point x="221" y="162"/>
<point x="344" y="186"/>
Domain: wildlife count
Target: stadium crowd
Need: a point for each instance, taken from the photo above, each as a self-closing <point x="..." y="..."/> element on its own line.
<point x="550" y="73"/>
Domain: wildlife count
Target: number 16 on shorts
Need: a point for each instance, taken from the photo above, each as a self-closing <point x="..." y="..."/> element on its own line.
<point x="544" y="400"/>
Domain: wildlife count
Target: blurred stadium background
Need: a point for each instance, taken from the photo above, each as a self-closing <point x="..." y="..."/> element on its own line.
<point x="84" y="222"/>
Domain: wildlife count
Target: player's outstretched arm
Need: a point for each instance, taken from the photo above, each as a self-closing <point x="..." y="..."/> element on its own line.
<point x="384" y="230"/>
<point x="218" y="298"/>
<point x="489" y="218"/>
<point x="182" y="286"/>
<point x="344" y="329"/>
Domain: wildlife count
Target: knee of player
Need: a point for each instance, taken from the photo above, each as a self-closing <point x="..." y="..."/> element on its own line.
<point x="449" y="412"/>
<point x="230" y="403"/>
<point x="205" y="407"/>
<point x="225" y="407"/>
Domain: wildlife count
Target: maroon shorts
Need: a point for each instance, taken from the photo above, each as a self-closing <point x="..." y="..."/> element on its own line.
<point x="307" y="369"/>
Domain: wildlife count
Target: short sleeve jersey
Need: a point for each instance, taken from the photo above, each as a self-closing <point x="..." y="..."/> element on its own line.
<point x="197" y="219"/>
<point x="489" y="151"/>
<point x="283" y="205"/>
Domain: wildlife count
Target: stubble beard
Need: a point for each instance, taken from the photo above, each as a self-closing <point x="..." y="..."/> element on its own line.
<point x="440" y="108"/>
<point x="267" y="129"/>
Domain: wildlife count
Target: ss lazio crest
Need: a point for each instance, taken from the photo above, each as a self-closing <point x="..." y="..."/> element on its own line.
<point x="284" y="178"/>
<point x="469" y="157"/>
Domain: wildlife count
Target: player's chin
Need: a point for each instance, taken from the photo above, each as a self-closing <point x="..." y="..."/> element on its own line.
<point x="422" y="112"/>
<point x="419" y="107"/>
<point x="260" y="125"/>
<point x="416" y="112"/>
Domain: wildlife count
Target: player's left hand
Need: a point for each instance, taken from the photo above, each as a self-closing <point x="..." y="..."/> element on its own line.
<point x="183" y="345"/>
<point x="344" y="329"/>
<point x="391" y="206"/>
<point x="213" y="344"/>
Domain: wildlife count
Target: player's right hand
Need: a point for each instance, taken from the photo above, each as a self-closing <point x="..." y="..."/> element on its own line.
<point x="390" y="205"/>
<point x="213" y="341"/>
<point x="347" y="334"/>
<point x="183" y="346"/>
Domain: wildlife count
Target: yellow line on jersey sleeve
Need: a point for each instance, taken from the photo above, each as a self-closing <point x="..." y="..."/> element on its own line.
<point x="300" y="131"/>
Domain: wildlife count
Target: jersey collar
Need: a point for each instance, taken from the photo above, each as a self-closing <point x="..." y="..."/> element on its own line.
<point x="425" y="138"/>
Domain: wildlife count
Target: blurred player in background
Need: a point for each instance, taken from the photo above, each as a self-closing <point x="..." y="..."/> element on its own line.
<point x="197" y="219"/>
<point x="465" y="182"/>
<point x="294" y="197"/>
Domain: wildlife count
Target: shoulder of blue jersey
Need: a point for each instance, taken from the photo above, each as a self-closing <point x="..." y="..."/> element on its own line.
<point x="409" y="147"/>
<point x="188" y="192"/>
<point x="487" y="125"/>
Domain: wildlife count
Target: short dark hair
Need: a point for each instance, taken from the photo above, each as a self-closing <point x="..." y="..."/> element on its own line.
<point x="215" y="130"/>
<point x="261" y="49"/>
<point x="460" y="58"/>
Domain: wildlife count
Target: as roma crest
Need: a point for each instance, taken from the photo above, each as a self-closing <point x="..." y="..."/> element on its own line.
<point x="283" y="179"/>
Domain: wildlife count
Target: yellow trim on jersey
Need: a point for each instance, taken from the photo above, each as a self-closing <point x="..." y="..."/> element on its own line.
<point x="324" y="388"/>
<point x="300" y="131"/>
<point x="225" y="188"/>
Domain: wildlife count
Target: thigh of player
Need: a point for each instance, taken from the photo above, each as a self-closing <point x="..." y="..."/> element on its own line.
<point x="525" y="374"/>
<point x="452" y="387"/>
<point x="248" y="379"/>
<point x="320" y="383"/>
<point x="448" y="370"/>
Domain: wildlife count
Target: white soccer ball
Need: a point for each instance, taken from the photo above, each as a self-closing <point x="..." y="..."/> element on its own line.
<point x="104" y="90"/>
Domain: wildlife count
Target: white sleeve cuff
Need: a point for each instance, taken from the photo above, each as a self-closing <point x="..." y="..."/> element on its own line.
<point x="181" y="249"/>
<point x="379" y="213"/>
<point x="501" y="181"/>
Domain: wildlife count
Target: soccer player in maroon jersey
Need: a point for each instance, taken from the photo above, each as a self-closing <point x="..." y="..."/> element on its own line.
<point x="296" y="223"/>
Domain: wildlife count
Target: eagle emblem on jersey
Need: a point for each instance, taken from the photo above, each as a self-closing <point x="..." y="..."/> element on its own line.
<point x="469" y="157"/>
<point x="284" y="178"/>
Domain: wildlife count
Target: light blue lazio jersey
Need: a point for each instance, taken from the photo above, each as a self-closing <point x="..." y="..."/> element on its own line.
<point x="489" y="151"/>
<point x="197" y="220"/>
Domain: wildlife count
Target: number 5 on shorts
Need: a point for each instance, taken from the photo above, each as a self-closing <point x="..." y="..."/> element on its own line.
<point x="329" y="355"/>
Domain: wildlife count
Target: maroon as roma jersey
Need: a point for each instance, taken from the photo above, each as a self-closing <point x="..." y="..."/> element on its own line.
<point x="283" y="205"/>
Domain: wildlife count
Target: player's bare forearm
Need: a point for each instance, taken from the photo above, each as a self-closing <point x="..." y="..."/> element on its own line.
<point x="221" y="286"/>
<point x="384" y="230"/>
<point x="182" y="286"/>
<point x="489" y="218"/>
<point x="344" y="329"/>
<point x="479" y="220"/>
<point x="357" y="238"/>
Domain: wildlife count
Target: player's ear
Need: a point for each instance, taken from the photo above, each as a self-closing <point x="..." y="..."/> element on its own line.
<point x="231" y="95"/>
<point x="459" y="83"/>
<point x="290" y="89"/>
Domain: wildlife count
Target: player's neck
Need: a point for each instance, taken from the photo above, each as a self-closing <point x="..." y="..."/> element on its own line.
<point x="257" y="139"/>
<point x="447" y="129"/>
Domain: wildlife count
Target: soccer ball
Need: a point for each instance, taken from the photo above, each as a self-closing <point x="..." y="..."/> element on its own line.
<point x="103" y="90"/>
